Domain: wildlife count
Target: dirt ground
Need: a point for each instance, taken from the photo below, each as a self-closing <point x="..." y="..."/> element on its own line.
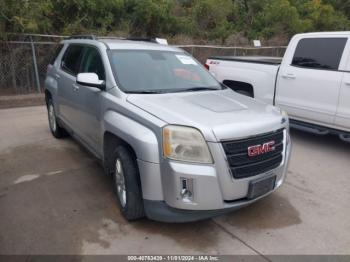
<point x="21" y="100"/>
<point x="55" y="199"/>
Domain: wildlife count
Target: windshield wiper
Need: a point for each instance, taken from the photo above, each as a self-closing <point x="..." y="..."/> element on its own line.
<point x="199" y="88"/>
<point x="145" y="92"/>
<point x="163" y="91"/>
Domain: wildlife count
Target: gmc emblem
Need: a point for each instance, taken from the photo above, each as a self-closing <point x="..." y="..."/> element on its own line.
<point x="261" y="149"/>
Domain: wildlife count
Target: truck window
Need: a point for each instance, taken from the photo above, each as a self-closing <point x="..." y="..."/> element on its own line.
<point x="92" y="63"/>
<point x="71" y="59"/>
<point x="319" y="53"/>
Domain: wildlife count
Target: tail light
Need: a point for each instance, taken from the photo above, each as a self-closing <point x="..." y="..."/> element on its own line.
<point x="206" y="66"/>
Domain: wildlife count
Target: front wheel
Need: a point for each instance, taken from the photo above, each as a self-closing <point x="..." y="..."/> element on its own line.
<point x="127" y="185"/>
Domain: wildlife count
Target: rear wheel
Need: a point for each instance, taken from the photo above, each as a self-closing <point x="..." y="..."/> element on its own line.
<point x="345" y="137"/>
<point x="55" y="128"/>
<point x="127" y="185"/>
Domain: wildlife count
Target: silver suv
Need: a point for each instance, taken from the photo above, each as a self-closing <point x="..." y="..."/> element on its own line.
<point x="179" y="145"/>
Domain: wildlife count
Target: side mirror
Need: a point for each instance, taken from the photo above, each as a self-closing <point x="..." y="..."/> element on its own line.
<point x="90" y="79"/>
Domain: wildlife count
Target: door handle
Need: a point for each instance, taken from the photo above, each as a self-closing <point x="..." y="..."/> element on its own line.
<point x="75" y="87"/>
<point x="57" y="76"/>
<point x="347" y="84"/>
<point x="289" y="76"/>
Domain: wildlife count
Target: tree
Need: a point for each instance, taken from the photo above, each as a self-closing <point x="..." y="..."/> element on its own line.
<point x="276" y="17"/>
<point x="211" y="18"/>
<point x="320" y="16"/>
<point x="151" y="17"/>
<point x="26" y="16"/>
<point x="201" y="19"/>
<point x="340" y="5"/>
<point x="77" y="16"/>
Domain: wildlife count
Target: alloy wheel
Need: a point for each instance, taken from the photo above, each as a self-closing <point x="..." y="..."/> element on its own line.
<point x="120" y="182"/>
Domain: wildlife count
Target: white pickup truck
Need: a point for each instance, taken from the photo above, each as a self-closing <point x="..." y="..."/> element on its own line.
<point x="311" y="82"/>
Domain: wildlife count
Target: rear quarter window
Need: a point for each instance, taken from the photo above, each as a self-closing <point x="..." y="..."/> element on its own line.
<point x="55" y="54"/>
<point x="319" y="53"/>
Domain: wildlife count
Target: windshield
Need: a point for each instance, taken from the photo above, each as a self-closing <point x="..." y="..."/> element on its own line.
<point x="150" y="71"/>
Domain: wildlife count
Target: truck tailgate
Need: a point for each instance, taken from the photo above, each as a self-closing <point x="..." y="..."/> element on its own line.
<point x="268" y="60"/>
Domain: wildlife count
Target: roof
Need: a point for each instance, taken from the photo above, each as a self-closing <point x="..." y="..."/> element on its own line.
<point x="120" y="43"/>
<point x="141" y="45"/>
<point x="334" y="33"/>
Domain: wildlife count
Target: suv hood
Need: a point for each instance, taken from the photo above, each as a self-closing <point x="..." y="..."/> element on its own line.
<point x="220" y="115"/>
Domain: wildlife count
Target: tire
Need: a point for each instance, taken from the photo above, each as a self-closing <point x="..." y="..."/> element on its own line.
<point x="126" y="183"/>
<point x="345" y="137"/>
<point x="55" y="128"/>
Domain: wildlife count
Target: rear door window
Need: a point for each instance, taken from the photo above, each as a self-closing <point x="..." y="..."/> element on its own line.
<point x="319" y="53"/>
<point x="71" y="59"/>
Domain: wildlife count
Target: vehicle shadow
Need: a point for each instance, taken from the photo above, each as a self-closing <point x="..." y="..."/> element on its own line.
<point x="332" y="142"/>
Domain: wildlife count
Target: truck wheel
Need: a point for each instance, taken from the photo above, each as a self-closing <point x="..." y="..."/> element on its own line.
<point x="55" y="128"/>
<point x="127" y="185"/>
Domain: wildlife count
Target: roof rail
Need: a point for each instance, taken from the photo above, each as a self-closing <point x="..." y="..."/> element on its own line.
<point x="110" y="37"/>
<point x="152" y="40"/>
<point x="145" y="39"/>
<point x="92" y="37"/>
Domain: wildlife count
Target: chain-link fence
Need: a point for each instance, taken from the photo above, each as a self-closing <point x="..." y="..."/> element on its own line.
<point x="24" y="60"/>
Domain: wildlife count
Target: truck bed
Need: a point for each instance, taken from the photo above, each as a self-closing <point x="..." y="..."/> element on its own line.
<point x="270" y="60"/>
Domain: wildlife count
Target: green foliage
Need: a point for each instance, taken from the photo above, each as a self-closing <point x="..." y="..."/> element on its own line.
<point x="26" y="16"/>
<point x="201" y="19"/>
<point x="322" y="17"/>
<point x="151" y="17"/>
<point x="342" y="5"/>
<point x="275" y="17"/>
<point x="211" y="18"/>
<point x="77" y="16"/>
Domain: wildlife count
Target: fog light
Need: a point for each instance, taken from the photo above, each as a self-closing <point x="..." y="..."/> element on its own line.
<point x="279" y="182"/>
<point x="186" y="189"/>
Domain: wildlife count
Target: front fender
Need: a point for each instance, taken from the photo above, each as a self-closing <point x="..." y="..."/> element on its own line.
<point x="142" y="139"/>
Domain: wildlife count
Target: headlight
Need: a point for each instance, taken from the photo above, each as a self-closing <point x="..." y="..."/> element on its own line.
<point x="185" y="144"/>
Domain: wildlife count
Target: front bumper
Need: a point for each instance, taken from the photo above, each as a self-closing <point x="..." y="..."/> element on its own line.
<point x="160" y="211"/>
<point x="215" y="191"/>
